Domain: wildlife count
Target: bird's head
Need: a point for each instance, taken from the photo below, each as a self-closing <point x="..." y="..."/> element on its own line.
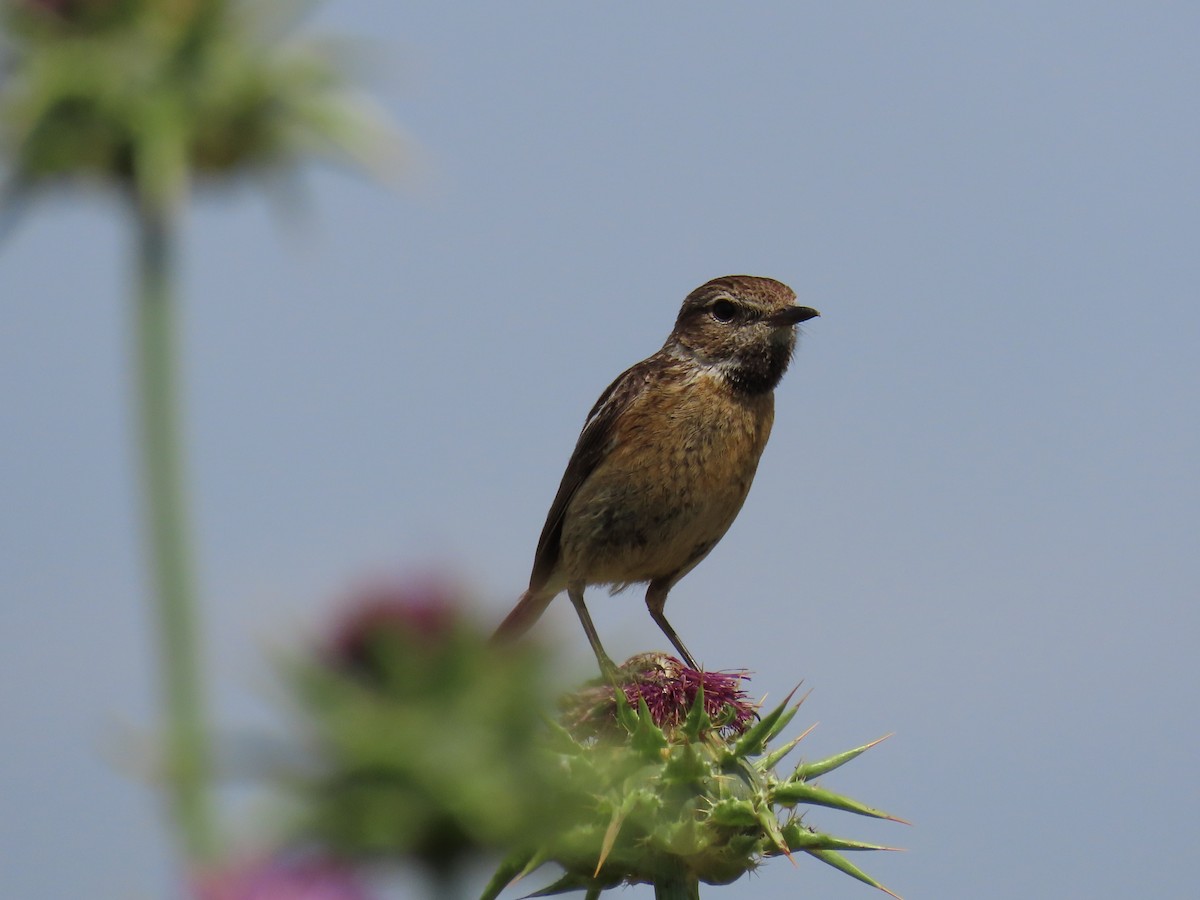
<point x="743" y="327"/>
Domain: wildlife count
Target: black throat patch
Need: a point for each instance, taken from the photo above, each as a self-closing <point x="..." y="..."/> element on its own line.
<point x="759" y="372"/>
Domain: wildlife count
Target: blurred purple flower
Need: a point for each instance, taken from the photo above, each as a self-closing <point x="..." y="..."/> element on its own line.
<point x="422" y="612"/>
<point x="279" y="879"/>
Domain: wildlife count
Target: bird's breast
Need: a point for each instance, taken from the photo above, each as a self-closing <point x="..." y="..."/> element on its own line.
<point x="679" y="467"/>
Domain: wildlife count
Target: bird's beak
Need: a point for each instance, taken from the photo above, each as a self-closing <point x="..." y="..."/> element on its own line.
<point x="793" y="315"/>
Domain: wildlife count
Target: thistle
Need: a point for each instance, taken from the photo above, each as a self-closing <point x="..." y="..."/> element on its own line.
<point x="422" y="741"/>
<point x="670" y="783"/>
<point x="149" y="98"/>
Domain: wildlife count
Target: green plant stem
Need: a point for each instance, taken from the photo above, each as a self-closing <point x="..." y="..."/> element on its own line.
<point x="187" y="749"/>
<point x="682" y="887"/>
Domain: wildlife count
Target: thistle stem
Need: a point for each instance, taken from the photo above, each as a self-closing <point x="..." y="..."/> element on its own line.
<point x="187" y="749"/>
<point x="680" y="887"/>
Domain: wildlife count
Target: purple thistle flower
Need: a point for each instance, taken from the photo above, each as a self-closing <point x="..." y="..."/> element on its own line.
<point x="669" y="688"/>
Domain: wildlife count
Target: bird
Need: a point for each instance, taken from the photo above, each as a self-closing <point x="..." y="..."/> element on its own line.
<point x="666" y="457"/>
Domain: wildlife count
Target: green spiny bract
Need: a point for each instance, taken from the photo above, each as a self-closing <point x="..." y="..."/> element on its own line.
<point x="675" y="796"/>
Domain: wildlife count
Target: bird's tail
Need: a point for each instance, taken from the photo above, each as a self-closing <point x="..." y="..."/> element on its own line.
<point x="527" y="611"/>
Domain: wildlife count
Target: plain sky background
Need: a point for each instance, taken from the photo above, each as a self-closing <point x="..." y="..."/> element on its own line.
<point x="978" y="520"/>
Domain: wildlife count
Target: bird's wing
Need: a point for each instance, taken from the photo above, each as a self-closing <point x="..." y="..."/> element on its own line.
<point x="595" y="441"/>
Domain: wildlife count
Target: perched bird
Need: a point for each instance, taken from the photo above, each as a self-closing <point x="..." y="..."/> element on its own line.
<point x="666" y="456"/>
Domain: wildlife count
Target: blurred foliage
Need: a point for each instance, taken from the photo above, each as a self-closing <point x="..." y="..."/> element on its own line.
<point x="148" y="94"/>
<point x="423" y="740"/>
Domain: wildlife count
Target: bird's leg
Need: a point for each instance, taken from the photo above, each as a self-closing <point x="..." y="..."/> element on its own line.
<point x="656" y="601"/>
<point x="607" y="667"/>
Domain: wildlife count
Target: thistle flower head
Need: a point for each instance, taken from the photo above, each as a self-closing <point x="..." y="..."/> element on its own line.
<point x="667" y="784"/>
<point x="147" y="95"/>
<point x="669" y="689"/>
<point x="417" y="617"/>
<point x="423" y="739"/>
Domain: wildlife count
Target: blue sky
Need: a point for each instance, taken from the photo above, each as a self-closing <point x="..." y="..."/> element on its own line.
<point x="976" y="524"/>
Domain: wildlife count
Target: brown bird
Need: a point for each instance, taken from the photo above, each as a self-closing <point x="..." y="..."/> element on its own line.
<point x="667" y="455"/>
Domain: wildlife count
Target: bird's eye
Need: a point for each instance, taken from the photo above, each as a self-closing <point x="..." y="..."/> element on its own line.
<point x="724" y="310"/>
